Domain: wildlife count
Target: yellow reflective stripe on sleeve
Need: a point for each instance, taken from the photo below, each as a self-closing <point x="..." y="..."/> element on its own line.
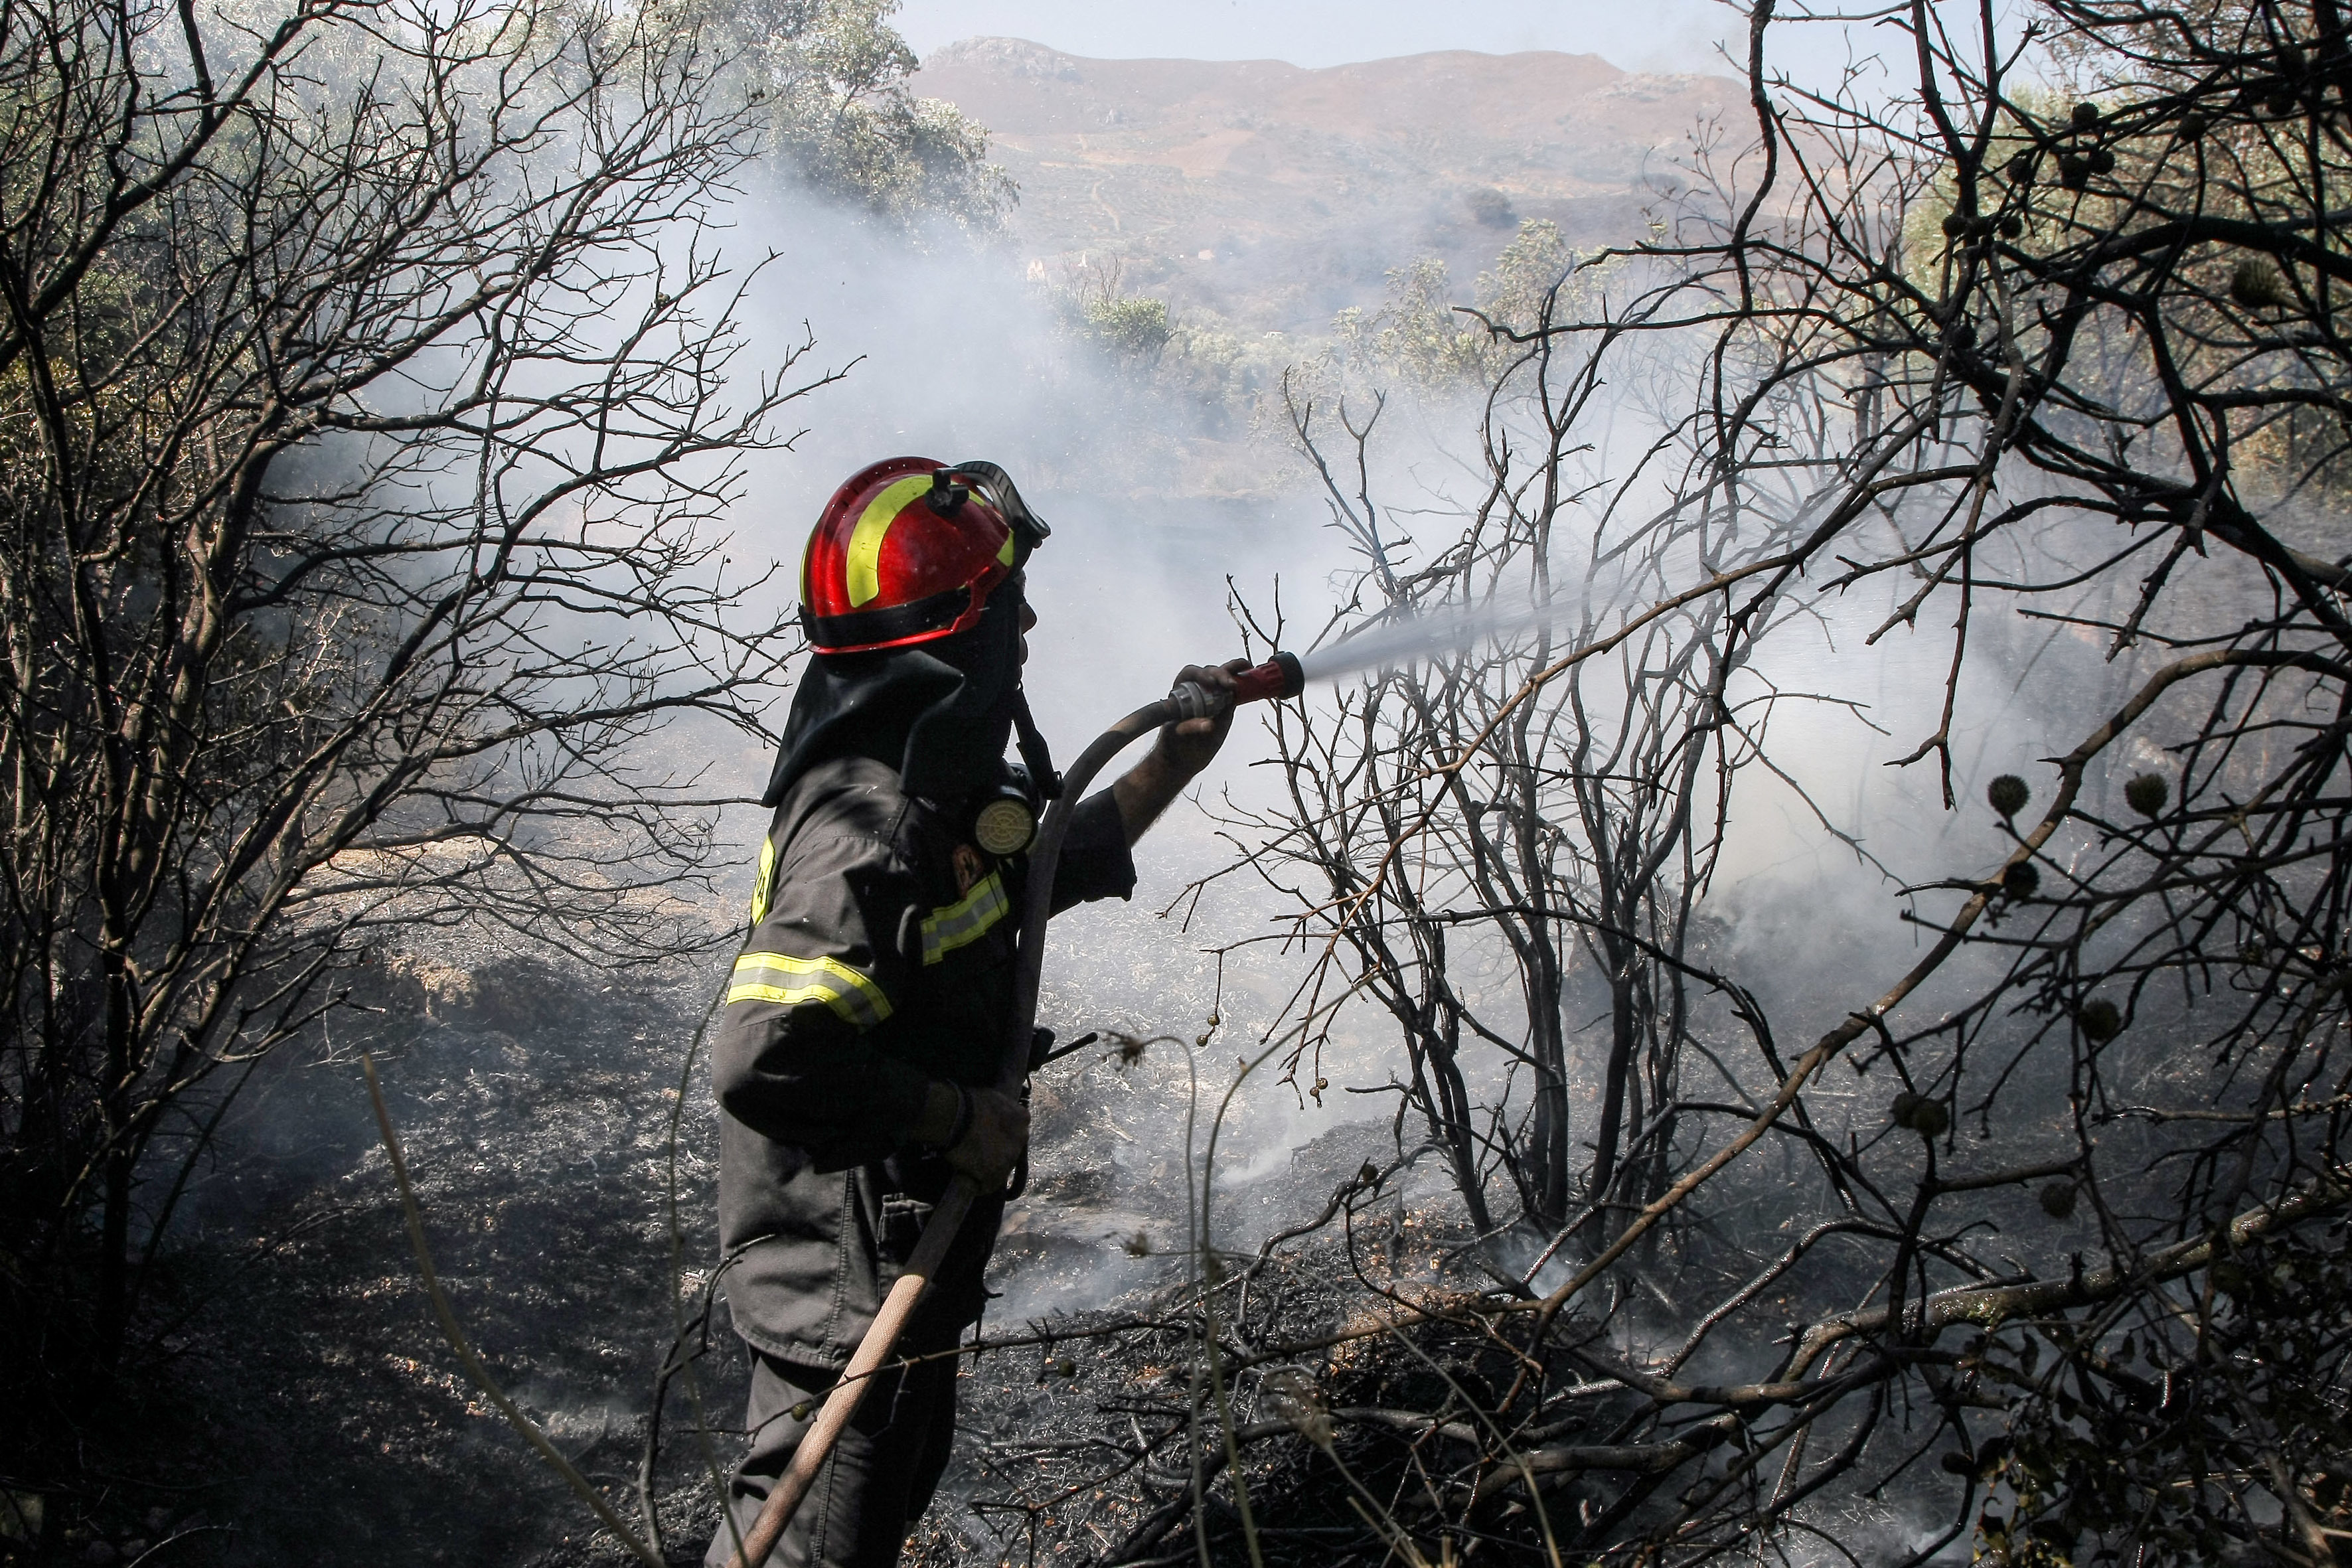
<point x="865" y="564"/>
<point x="965" y="921"/>
<point x="788" y="982"/>
<point x="761" y="888"/>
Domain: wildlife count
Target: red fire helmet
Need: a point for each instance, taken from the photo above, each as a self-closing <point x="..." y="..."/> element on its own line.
<point x="907" y="551"/>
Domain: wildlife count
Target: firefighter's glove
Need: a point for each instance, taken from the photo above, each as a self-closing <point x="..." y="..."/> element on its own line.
<point x="998" y="1137"/>
<point x="1190" y="744"/>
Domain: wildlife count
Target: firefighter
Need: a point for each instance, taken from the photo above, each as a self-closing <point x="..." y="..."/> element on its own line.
<point x="866" y="1019"/>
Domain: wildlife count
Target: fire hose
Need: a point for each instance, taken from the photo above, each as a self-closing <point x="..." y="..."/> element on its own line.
<point x="1279" y="676"/>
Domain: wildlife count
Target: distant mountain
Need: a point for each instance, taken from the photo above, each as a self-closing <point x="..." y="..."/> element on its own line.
<point x="1275" y="195"/>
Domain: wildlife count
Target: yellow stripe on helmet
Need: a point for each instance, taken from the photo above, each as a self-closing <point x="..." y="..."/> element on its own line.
<point x="865" y="539"/>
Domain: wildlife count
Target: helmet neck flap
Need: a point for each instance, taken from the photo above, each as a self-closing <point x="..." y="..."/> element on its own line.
<point x="939" y="713"/>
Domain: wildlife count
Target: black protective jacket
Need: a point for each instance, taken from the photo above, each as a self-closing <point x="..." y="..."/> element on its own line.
<point x="880" y="957"/>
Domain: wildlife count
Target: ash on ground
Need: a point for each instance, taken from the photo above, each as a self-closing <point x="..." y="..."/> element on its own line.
<point x="318" y="1414"/>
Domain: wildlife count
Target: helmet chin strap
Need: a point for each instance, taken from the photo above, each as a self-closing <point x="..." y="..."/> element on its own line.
<point x="1029" y="530"/>
<point x="1033" y="753"/>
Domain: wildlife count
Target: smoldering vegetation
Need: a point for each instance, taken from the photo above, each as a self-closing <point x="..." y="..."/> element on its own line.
<point x="533" y="1101"/>
<point x="1815" y="1033"/>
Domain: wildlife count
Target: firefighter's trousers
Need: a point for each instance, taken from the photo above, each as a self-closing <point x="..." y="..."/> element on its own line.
<point x="874" y="1486"/>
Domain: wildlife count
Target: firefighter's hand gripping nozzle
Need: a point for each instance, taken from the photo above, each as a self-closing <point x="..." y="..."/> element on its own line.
<point x="1279" y="677"/>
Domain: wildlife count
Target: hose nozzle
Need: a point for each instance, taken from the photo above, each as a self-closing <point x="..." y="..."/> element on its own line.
<point x="1280" y="675"/>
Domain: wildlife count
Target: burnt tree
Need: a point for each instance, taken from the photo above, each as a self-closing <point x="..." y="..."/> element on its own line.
<point x="368" y="388"/>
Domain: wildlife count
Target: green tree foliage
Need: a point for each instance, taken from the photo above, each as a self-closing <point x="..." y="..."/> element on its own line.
<point x="1132" y="326"/>
<point x="831" y="78"/>
<point x="1537" y="261"/>
<point x="1416" y="336"/>
<point x="1424" y="336"/>
<point x="1094" y="306"/>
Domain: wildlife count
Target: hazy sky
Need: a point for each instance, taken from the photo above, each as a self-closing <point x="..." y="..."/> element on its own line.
<point x="1645" y="34"/>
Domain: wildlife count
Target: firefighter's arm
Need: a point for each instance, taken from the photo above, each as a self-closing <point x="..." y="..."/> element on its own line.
<point x="793" y="1057"/>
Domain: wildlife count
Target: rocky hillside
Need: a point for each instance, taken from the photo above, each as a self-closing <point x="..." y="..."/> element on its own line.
<point x="1274" y="195"/>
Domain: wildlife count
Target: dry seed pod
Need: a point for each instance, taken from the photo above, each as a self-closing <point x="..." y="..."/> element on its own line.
<point x="2058" y="1199"/>
<point x="2008" y="794"/>
<point x="1921" y="1114"/>
<point x="2020" y="881"/>
<point x="2086" y="117"/>
<point x="2101" y="160"/>
<point x="2193" y="126"/>
<point x="1955" y="226"/>
<point x="2146" y="795"/>
<point x="2254" y="283"/>
<point x="2012" y="227"/>
<point x="2099" y="1021"/>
